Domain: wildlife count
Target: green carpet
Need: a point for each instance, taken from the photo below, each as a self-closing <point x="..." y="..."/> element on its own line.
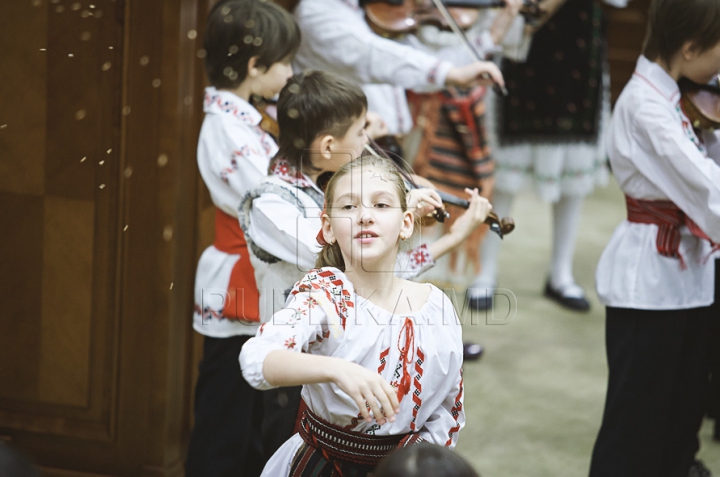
<point x="534" y="401"/>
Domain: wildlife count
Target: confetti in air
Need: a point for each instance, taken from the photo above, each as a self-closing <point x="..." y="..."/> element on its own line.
<point x="192" y="34"/>
<point x="109" y="151"/>
<point x="3" y="126"/>
<point x="156" y="83"/>
<point x="162" y="160"/>
<point x="171" y="285"/>
<point x="144" y="60"/>
<point x="102" y="186"/>
<point x="101" y="163"/>
<point x="80" y="114"/>
<point x="125" y="228"/>
<point x="83" y="159"/>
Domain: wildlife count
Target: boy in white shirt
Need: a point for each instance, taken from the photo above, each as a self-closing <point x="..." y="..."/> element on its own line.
<point x="249" y="45"/>
<point x="655" y="276"/>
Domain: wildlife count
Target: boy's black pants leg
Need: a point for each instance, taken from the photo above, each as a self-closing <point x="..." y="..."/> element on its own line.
<point x="657" y="386"/>
<point x="226" y="440"/>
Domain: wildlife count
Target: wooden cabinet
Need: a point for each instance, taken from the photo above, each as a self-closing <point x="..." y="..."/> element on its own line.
<point x="100" y="107"/>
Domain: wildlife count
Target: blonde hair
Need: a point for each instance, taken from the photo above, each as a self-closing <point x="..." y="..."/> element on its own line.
<point x="331" y="255"/>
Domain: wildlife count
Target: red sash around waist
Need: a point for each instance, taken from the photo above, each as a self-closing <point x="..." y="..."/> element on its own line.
<point x="229" y="238"/>
<point x="669" y="218"/>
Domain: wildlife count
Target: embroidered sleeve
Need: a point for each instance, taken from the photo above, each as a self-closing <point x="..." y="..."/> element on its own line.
<point x="314" y="315"/>
<point x="446" y="421"/>
<point x="414" y="262"/>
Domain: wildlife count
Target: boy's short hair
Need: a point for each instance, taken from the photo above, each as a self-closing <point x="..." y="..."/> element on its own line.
<point x="237" y="30"/>
<point x="311" y="104"/>
<point x="673" y="22"/>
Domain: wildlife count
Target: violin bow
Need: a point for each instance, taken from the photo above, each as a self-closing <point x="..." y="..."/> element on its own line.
<point x="466" y="41"/>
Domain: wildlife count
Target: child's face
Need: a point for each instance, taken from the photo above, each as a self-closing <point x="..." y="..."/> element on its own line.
<point x="272" y="80"/>
<point x="366" y="219"/>
<point x="704" y="67"/>
<point x="351" y="145"/>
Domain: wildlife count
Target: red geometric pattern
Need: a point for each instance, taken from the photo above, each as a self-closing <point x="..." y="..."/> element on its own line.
<point x="418" y="387"/>
<point x="455" y="411"/>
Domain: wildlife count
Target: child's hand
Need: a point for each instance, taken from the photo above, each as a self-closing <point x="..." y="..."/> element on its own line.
<point x="367" y="388"/>
<point x="421" y="202"/>
<point x="375" y="127"/>
<point x="473" y="217"/>
<point x="482" y="72"/>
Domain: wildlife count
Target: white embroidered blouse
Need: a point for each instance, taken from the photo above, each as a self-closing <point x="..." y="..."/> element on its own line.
<point x="233" y="157"/>
<point x="324" y="316"/>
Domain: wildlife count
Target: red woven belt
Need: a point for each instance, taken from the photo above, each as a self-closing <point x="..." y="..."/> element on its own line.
<point x="669" y="218"/>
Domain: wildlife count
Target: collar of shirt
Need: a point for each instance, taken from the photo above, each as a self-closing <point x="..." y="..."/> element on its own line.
<point x="285" y="171"/>
<point x="657" y="78"/>
<point x="225" y="102"/>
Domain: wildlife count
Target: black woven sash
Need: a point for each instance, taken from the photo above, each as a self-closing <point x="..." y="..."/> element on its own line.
<point x="329" y="449"/>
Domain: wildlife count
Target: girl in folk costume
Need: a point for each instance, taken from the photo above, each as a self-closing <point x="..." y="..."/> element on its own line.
<point x="380" y="357"/>
<point x="453" y="150"/>
<point x="322" y="121"/>
<point x="549" y="132"/>
<point x="655" y="277"/>
<point x="233" y="157"/>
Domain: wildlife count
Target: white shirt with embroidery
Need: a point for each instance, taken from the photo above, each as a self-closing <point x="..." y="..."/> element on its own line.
<point x="324" y="316"/>
<point x="656" y="155"/>
<point x="233" y="157"/>
<point x="337" y="38"/>
<point x="281" y="221"/>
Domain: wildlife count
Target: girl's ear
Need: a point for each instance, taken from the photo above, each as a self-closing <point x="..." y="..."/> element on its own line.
<point x="408" y="225"/>
<point x="327" y="230"/>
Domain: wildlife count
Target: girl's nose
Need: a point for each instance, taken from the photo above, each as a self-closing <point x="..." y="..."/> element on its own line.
<point x="366" y="216"/>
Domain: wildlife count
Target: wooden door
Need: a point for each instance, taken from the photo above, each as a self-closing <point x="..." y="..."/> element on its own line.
<point x="625" y="35"/>
<point x="100" y="107"/>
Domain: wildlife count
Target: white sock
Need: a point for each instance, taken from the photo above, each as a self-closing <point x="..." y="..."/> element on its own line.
<point x="566" y="217"/>
<point x="490" y="247"/>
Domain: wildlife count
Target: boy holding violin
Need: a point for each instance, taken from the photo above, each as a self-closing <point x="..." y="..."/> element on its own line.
<point x="655" y="277"/>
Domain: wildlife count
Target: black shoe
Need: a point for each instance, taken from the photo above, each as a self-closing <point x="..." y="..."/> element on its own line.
<point x="480" y="302"/>
<point x="698" y="469"/>
<point x="472" y="351"/>
<point x="571" y="302"/>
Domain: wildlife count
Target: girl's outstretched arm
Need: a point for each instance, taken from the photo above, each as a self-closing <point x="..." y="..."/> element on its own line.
<point x="287" y="368"/>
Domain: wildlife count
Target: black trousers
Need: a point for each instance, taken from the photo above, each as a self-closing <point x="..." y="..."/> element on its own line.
<point x="657" y="392"/>
<point x="225" y="441"/>
<point x="237" y="428"/>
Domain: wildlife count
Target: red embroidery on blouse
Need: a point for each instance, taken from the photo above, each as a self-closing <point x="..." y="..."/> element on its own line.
<point x="455" y="411"/>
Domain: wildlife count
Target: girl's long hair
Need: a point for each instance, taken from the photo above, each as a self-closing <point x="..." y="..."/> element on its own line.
<point x="331" y="255"/>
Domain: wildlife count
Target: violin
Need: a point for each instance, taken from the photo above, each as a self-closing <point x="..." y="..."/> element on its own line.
<point x="701" y="103"/>
<point x="500" y="226"/>
<point x="393" y="18"/>
<point x="266" y="108"/>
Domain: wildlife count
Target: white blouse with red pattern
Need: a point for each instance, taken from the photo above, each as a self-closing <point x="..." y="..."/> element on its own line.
<point x="420" y="353"/>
